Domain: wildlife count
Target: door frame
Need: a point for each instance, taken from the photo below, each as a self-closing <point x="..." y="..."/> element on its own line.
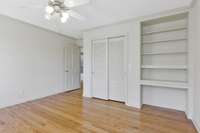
<point x="125" y="36"/>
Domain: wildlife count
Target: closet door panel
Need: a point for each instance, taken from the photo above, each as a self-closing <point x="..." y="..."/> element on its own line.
<point x="99" y="74"/>
<point x="116" y="69"/>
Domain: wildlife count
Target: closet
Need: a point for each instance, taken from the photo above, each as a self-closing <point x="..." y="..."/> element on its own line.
<point x="109" y="68"/>
<point x="164" y="62"/>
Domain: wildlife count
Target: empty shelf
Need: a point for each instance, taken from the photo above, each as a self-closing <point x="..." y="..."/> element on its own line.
<point x="163" y="53"/>
<point x="183" y="39"/>
<point x="158" y="32"/>
<point x="164" y="67"/>
<point x="178" y="85"/>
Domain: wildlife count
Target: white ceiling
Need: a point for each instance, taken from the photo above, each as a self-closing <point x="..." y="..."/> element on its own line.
<point x="97" y="13"/>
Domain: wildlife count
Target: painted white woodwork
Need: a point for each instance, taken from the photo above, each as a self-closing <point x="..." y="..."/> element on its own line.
<point x="164" y="53"/>
<point x="173" y="75"/>
<point x="172" y="85"/>
<point x="165" y="37"/>
<point x="72" y="67"/>
<point x="164" y="60"/>
<point x="155" y="27"/>
<point x="195" y="69"/>
<point x="109" y="69"/>
<point x="68" y="68"/>
<point x="164" y="96"/>
<point x="164" y="67"/>
<point x="99" y="72"/>
<point x="116" y="63"/>
<point x="76" y="62"/>
<point x="165" y="47"/>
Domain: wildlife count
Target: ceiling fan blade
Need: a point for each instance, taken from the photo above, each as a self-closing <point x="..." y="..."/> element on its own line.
<point x="76" y="15"/>
<point x="75" y="3"/>
<point x="34" y="6"/>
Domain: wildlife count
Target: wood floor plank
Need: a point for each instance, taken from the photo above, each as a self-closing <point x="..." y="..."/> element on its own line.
<point x="71" y="113"/>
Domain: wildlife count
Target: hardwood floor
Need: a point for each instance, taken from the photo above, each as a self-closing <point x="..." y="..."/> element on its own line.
<point x="70" y="113"/>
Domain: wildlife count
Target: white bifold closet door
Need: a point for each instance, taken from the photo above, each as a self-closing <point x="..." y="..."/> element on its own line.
<point x="109" y="69"/>
<point x="72" y="67"/>
<point x="116" y="69"/>
<point x="99" y="74"/>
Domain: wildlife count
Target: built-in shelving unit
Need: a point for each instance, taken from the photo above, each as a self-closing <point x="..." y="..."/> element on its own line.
<point x="164" y="59"/>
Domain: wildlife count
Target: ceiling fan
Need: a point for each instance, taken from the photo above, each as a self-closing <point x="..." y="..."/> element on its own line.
<point x="63" y="8"/>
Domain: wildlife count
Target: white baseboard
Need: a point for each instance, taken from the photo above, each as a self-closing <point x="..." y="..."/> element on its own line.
<point x="196" y="125"/>
<point x="137" y="106"/>
<point x="21" y="101"/>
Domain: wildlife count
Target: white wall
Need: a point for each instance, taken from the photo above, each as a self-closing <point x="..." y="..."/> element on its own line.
<point x="31" y="62"/>
<point x="196" y="37"/>
<point x="159" y="96"/>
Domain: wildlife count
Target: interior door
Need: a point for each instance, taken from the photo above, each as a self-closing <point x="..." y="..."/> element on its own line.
<point x="72" y="68"/>
<point x="76" y="67"/>
<point x="99" y="72"/>
<point x="116" y="79"/>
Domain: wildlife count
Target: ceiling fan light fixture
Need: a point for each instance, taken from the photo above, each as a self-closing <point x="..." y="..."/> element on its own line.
<point x="70" y="3"/>
<point x="63" y="9"/>
<point x="49" y="9"/>
<point x="64" y="17"/>
<point x="63" y="20"/>
<point x="48" y="16"/>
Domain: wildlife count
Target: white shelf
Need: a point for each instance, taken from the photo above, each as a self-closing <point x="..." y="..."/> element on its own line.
<point x="164" y="67"/>
<point x="178" y="85"/>
<point x="164" y="53"/>
<point x="163" y="31"/>
<point x="155" y="42"/>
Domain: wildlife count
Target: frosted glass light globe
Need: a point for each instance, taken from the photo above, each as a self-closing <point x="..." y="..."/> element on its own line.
<point x="49" y="9"/>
